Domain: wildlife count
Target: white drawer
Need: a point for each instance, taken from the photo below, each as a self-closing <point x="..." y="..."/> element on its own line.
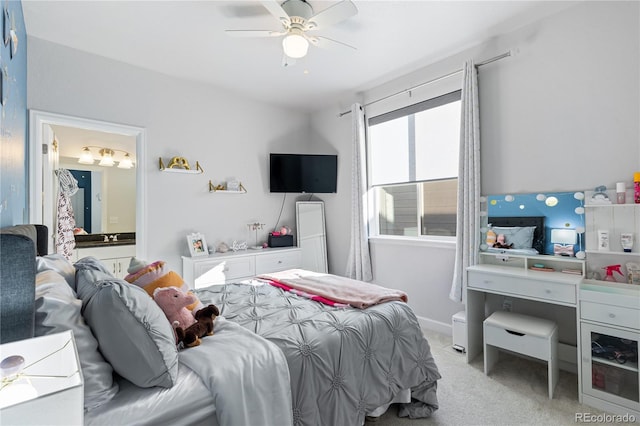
<point x="220" y="271"/>
<point x="609" y="314"/>
<point x="520" y="286"/>
<point x="274" y="262"/>
<point x="534" y="346"/>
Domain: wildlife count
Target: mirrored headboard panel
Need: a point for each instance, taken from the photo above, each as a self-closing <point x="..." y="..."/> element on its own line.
<point x="558" y="218"/>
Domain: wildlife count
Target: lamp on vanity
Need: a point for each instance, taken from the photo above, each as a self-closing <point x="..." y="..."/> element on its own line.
<point x="107" y="157"/>
<point x="563" y="241"/>
<point x="41" y="381"/>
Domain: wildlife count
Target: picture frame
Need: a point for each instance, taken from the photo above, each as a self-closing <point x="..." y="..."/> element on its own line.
<point x="197" y="244"/>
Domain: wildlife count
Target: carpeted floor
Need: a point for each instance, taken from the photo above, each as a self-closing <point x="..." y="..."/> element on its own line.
<point x="514" y="394"/>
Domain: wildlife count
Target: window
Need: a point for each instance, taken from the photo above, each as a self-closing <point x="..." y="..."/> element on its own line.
<point x="413" y="168"/>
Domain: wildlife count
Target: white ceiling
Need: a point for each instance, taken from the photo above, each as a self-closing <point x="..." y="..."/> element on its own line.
<point x="186" y="39"/>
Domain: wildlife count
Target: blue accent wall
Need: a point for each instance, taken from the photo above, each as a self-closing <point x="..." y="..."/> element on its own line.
<point x="13" y="116"/>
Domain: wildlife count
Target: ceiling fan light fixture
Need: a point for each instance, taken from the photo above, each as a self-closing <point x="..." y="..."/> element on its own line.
<point x="85" y="157"/>
<point x="295" y="45"/>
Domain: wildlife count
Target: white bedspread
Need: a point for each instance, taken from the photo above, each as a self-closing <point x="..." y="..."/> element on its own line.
<point x="247" y="375"/>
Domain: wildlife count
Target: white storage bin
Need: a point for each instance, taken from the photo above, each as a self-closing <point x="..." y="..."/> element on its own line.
<point x="523" y="334"/>
<point x="459" y="331"/>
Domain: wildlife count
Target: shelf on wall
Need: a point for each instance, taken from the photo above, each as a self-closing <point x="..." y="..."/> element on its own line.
<point x="613" y="252"/>
<point x="214" y="188"/>
<point x="179" y="165"/>
<point x="611" y="205"/>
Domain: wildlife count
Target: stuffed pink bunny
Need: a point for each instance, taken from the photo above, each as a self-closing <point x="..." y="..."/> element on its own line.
<point x="173" y="303"/>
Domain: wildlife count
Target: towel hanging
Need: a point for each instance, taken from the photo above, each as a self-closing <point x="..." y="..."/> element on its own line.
<point x="68" y="184"/>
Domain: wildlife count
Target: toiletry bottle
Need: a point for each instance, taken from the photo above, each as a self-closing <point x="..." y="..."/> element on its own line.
<point x="603" y="240"/>
<point x="636" y="187"/>
<point x="621" y="193"/>
<point x="633" y="270"/>
<point x="626" y="241"/>
<point x="610" y="269"/>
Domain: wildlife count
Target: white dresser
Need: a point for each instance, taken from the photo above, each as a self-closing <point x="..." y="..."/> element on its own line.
<point x="221" y="268"/>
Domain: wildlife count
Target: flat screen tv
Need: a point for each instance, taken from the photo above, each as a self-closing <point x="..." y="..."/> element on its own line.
<point x="310" y="173"/>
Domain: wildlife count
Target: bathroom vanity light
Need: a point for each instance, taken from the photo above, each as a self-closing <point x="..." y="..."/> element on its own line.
<point x="126" y="162"/>
<point x="106" y="157"/>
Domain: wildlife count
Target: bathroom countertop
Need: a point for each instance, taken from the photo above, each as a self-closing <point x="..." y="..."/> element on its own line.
<point x="97" y="240"/>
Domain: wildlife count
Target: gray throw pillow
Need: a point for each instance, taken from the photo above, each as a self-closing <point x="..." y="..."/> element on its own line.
<point x="57" y="262"/>
<point x="57" y="310"/>
<point x="132" y="331"/>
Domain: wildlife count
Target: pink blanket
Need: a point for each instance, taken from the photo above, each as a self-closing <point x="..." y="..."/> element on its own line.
<point x="358" y="294"/>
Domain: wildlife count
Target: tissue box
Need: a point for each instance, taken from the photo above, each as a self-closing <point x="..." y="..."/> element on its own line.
<point x="280" y="240"/>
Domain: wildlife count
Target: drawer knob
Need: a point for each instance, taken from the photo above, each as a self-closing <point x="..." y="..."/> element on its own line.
<point x="279" y="261"/>
<point x="612" y="315"/>
<point x="547" y="291"/>
<point x="486" y="281"/>
<point x="226" y="269"/>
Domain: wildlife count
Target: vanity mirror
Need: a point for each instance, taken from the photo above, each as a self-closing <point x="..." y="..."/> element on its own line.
<point x="539" y="223"/>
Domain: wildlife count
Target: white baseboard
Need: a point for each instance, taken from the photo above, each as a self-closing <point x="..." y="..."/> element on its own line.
<point x="437" y="326"/>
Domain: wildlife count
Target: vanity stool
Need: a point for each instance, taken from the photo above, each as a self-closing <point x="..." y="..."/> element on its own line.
<point x="523" y="334"/>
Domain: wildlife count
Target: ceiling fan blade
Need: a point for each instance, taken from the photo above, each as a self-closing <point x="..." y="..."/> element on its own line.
<point x="332" y="15"/>
<point x="277" y="11"/>
<point x="254" y="33"/>
<point x="327" y="43"/>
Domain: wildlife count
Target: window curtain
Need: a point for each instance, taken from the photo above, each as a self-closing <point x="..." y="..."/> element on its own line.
<point x="359" y="261"/>
<point x="467" y="228"/>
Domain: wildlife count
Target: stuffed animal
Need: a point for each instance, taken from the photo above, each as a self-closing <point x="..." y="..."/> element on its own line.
<point x="203" y="326"/>
<point x="151" y="276"/>
<point x="500" y="243"/>
<point x="173" y="303"/>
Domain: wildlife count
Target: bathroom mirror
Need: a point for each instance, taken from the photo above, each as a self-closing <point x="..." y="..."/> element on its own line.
<point x="557" y="216"/>
<point x="106" y="197"/>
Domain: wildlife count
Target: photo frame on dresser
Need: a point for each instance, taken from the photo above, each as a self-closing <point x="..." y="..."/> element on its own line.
<point x="197" y="244"/>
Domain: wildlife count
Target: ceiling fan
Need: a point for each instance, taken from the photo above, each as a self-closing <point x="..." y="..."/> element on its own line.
<point x="297" y="19"/>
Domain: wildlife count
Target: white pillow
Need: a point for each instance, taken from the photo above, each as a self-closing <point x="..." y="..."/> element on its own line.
<point x="57" y="310"/>
<point x="57" y="262"/>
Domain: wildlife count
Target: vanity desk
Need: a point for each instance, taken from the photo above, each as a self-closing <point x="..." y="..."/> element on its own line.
<point x="511" y="276"/>
<point x="598" y="321"/>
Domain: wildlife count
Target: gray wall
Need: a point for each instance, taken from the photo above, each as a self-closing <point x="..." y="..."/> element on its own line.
<point x="562" y="114"/>
<point x="229" y="135"/>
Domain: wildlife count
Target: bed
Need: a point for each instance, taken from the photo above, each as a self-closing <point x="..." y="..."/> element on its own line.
<point x="276" y="357"/>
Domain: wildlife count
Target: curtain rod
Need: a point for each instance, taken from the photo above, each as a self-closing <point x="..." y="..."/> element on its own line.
<point x="485" y="62"/>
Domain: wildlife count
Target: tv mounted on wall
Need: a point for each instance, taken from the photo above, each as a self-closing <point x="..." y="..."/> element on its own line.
<point x="310" y="173"/>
